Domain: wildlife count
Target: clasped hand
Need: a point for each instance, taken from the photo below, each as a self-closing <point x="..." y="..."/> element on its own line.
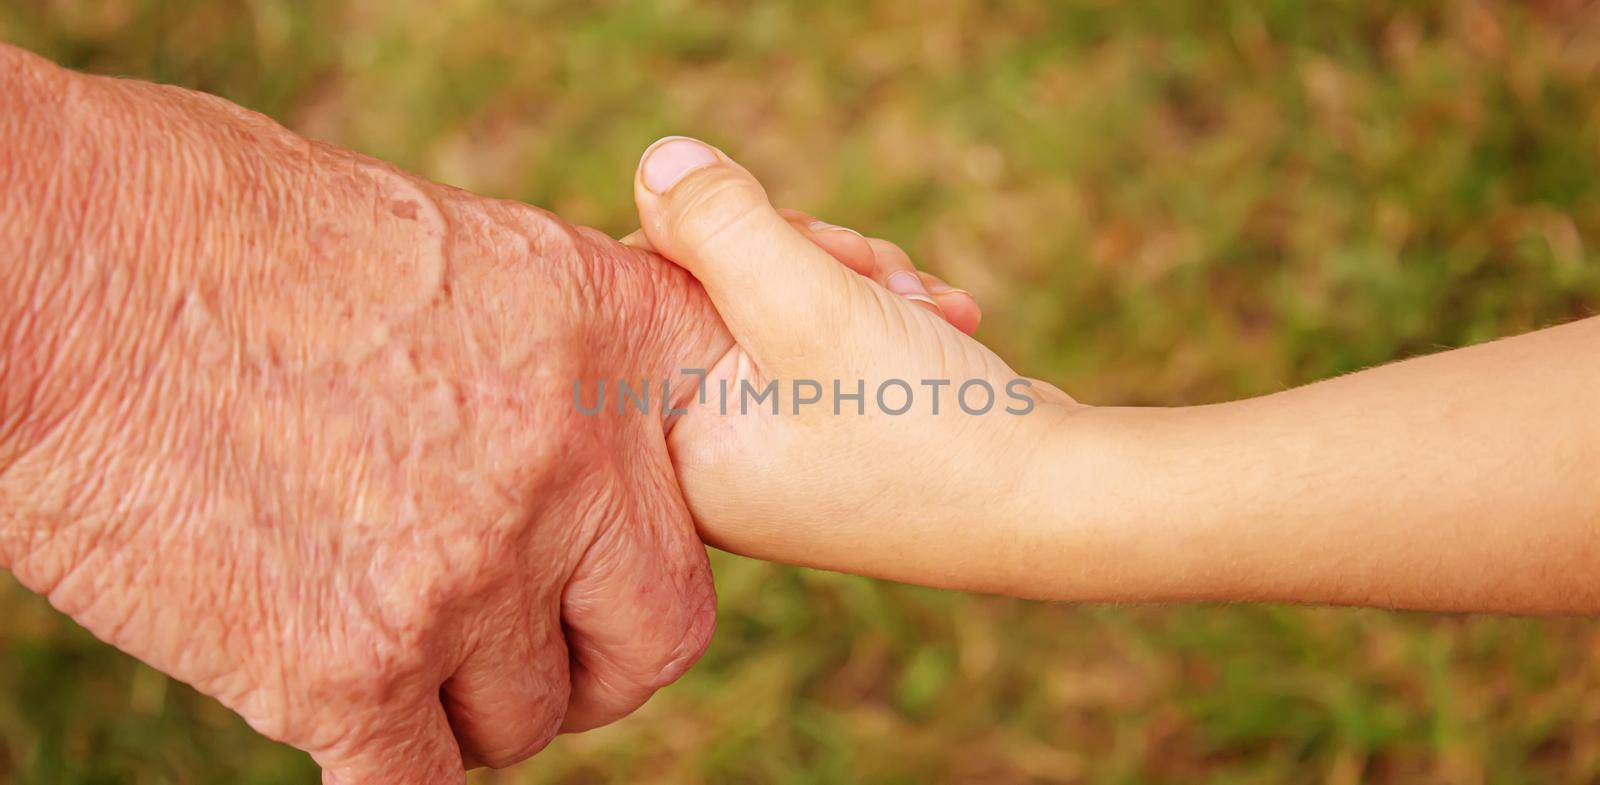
<point x="293" y="426"/>
<point x="298" y="429"/>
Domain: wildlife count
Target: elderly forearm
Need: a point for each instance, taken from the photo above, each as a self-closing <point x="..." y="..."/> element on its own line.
<point x="67" y="257"/>
<point x="67" y="218"/>
<point x="144" y="228"/>
<point x="24" y="89"/>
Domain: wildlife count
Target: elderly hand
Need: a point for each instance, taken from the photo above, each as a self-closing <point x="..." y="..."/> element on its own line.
<point x="298" y="429"/>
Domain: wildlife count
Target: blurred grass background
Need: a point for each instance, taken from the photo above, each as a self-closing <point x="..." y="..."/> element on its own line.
<point x="1158" y="202"/>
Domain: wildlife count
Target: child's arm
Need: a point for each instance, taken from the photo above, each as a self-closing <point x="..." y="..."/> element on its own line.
<point x="1466" y="481"/>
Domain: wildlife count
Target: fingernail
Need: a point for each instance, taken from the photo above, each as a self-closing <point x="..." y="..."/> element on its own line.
<point x="824" y="226"/>
<point x="669" y="159"/>
<point x="940" y="287"/>
<point x="906" y="284"/>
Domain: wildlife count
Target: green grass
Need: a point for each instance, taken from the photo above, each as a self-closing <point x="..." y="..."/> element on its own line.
<point x="1158" y="202"/>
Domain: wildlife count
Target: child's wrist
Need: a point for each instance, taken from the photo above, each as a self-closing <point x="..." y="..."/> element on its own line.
<point x="1021" y="480"/>
<point x="1092" y="506"/>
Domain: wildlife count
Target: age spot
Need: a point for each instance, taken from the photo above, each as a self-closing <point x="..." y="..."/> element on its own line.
<point x="404" y="208"/>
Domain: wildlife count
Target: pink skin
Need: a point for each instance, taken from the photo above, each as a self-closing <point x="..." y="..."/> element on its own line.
<point x="297" y="428"/>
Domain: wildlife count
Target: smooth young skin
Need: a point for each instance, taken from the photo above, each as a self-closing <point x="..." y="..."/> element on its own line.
<point x="1464" y="481"/>
<point x="296" y="428"/>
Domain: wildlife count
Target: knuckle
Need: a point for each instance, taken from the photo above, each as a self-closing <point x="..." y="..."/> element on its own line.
<point x="536" y="737"/>
<point x="701" y="626"/>
<point x="692" y="623"/>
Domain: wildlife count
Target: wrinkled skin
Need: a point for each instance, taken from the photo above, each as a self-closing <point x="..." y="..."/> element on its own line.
<point x="297" y="428"/>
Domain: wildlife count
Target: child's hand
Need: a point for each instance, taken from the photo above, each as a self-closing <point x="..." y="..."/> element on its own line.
<point x="887" y="483"/>
<point x="1402" y="486"/>
<point x="879" y="260"/>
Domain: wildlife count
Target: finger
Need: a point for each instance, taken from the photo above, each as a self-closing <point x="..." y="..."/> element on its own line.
<point x="639" y="610"/>
<point x="507" y="699"/>
<point x="856" y="252"/>
<point x="637" y="239"/>
<point x="415" y="748"/>
<point x="959" y="306"/>
<point x="896" y="273"/>
<point x="844" y="244"/>
<point x="769" y="282"/>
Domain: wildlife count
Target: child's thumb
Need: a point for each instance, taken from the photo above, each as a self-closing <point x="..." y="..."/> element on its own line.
<point x="772" y="286"/>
